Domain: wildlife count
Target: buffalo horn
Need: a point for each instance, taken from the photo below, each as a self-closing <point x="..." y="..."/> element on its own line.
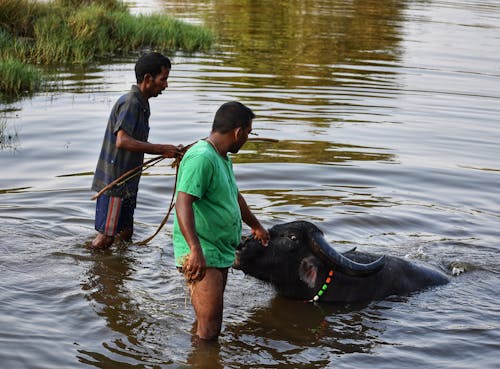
<point x="339" y="262"/>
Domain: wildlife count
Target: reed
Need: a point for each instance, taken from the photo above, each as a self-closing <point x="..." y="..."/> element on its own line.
<point x="18" y="16"/>
<point x="158" y="31"/>
<point x="18" y="78"/>
<point x="84" y="31"/>
<point x="109" y="4"/>
<point x="95" y="31"/>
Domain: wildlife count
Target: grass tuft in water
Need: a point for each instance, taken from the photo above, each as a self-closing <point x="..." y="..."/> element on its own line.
<point x="18" y="78"/>
<point x="8" y="140"/>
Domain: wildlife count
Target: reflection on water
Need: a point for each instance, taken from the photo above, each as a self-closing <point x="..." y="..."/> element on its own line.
<point x="300" y="38"/>
<point x="307" y="152"/>
<point x="385" y="116"/>
<point x="106" y="289"/>
<point x="131" y="314"/>
<point x="203" y="355"/>
<point x="351" y="197"/>
<point x="300" y="333"/>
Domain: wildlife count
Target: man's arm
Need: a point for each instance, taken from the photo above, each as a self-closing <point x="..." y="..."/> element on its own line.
<point x="259" y="232"/>
<point x="126" y="142"/>
<point x="195" y="266"/>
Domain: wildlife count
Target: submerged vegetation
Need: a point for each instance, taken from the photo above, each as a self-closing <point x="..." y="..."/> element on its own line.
<point x="81" y="31"/>
<point x="8" y="139"/>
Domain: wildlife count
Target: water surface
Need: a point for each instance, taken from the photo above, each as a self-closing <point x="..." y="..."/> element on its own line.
<point x="386" y="114"/>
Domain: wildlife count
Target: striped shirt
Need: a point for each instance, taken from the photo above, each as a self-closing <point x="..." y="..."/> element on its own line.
<point x="130" y="113"/>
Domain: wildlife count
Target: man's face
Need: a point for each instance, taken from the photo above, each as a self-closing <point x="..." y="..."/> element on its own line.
<point x="241" y="136"/>
<point x="158" y="83"/>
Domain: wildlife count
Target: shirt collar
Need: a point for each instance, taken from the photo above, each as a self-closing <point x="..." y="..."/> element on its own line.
<point x="136" y="90"/>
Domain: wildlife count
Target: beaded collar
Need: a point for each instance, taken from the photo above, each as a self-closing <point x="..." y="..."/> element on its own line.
<point x="323" y="288"/>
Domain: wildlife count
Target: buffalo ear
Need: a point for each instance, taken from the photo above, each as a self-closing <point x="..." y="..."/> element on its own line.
<point x="308" y="271"/>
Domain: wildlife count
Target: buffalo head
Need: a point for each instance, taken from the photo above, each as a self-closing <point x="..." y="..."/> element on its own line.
<point x="296" y="256"/>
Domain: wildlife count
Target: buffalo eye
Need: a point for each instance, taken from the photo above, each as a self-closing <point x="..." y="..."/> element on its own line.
<point x="292" y="237"/>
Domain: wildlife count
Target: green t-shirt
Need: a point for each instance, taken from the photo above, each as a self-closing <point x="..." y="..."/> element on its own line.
<point x="204" y="174"/>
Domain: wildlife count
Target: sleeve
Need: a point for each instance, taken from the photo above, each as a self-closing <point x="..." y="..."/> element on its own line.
<point x="195" y="175"/>
<point x="127" y="117"/>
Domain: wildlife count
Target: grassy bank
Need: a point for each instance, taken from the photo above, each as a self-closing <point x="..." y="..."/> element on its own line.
<point x="83" y="31"/>
<point x="17" y="78"/>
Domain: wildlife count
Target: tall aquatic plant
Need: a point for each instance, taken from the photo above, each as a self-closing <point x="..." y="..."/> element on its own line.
<point x="83" y="36"/>
<point x="157" y="31"/>
<point x="108" y="4"/>
<point x="17" y="78"/>
<point x="96" y="31"/>
<point x="83" y="31"/>
<point x="18" y="16"/>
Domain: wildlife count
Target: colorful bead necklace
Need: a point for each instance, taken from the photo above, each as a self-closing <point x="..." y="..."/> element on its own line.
<point x="323" y="288"/>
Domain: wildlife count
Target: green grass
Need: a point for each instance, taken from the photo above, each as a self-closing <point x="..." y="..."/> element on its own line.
<point x="18" y="78"/>
<point x="18" y="16"/>
<point x="84" y="31"/>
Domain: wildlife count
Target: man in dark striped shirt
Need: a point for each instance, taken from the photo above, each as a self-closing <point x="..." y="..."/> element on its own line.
<point x="123" y="148"/>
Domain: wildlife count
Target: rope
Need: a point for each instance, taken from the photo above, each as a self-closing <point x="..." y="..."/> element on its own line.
<point x="176" y="162"/>
<point x="128" y="175"/>
<point x="149" y="163"/>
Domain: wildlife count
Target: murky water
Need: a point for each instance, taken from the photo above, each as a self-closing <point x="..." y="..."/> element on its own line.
<point x="387" y="116"/>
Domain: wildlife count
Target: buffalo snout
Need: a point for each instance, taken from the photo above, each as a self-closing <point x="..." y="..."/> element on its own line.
<point x="247" y="253"/>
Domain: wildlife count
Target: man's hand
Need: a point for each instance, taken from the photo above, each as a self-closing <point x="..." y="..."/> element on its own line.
<point x="261" y="234"/>
<point x="194" y="267"/>
<point x="258" y="232"/>
<point x="126" y="142"/>
<point x="171" y="151"/>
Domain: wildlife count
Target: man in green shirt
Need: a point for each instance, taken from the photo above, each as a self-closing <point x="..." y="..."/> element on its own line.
<point x="209" y="210"/>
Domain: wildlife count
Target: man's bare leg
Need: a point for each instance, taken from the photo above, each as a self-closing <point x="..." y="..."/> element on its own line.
<point x="207" y="297"/>
<point x="126" y="234"/>
<point x="102" y="242"/>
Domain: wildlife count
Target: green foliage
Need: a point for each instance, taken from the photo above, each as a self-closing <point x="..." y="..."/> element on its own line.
<point x="108" y="4"/>
<point x="93" y="32"/>
<point x="83" y="36"/>
<point x="82" y="31"/>
<point x="17" y="78"/>
<point x="18" y="16"/>
<point x="156" y="31"/>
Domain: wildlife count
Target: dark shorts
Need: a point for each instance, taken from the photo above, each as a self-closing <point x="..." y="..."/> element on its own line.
<point x="114" y="214"/>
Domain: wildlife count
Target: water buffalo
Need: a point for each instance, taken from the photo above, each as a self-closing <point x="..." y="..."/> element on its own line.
<point x="300" y="264"/>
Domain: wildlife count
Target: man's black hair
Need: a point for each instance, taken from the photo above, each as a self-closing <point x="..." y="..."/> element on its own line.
<point x="230" y="115"/>
<point x="150" y="63"/>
